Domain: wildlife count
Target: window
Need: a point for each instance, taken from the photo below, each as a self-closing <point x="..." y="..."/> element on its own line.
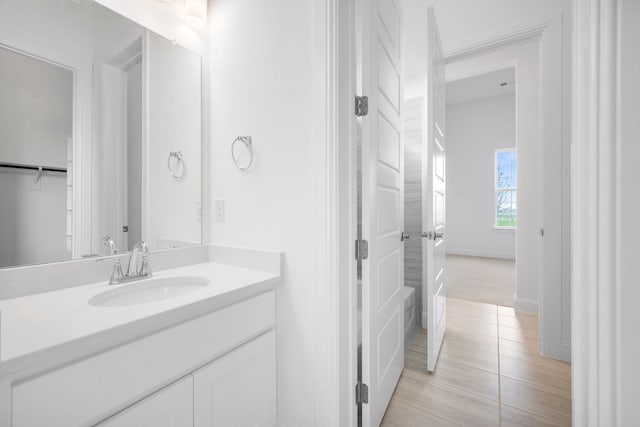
<point x="505" y="188"/>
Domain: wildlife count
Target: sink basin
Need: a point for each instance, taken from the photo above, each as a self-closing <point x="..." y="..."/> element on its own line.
<point x="148" y="291"/>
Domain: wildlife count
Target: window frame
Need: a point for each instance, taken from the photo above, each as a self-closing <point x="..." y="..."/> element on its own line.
<point x="514" y="190"/>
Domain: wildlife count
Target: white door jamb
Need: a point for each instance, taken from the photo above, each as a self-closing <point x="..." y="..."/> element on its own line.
<point x="553" y="215"/>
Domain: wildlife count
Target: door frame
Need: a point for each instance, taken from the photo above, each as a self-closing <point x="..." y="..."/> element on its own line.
<point x="595" y="378"/>
<point x="598" y="266"/>
<point x="553" y="250"/>
<point x="335" y="358"/>
<point x="336" y="309"/>
<point x="128" y="55"/>
<point x="83" y="226"/>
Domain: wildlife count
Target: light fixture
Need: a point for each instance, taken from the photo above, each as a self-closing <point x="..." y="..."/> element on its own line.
<point x="196" y="12"/>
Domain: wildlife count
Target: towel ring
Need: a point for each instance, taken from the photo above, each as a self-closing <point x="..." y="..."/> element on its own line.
<point x="176" y="166"/>
<point x="246" y="141"/>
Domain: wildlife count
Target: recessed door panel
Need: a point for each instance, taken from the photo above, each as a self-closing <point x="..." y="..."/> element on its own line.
<point x="389" y="274"/>
<point x="388" y="78"/>
<point x="389" y="343"/>
<point x="389" y="148"/>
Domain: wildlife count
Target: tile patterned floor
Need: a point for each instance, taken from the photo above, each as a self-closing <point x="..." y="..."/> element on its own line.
<point x="488" y="280"/>
<point x="489" y="374"/>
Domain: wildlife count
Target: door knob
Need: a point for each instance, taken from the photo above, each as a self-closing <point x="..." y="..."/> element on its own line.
<point x="432" y="235"/>
<point x="404" y="236"/>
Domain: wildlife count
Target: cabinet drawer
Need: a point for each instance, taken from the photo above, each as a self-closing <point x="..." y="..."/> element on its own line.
<point x="170" y="407"/>
<point x="90" y="390"/>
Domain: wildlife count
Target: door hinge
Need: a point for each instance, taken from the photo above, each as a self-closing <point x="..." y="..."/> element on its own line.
<point x="362" y="106"/>
<point x="362" y="249"/>
<point x="362" y="393"/>
<point x="125" y="228"/>
<point x="542" y="232"/>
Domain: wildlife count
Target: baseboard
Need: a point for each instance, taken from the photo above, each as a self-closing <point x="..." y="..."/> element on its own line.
<point x="526" y="305"/>
<point x="562" y="352"/>
<point x="483" y="254"/>
<point x="424" y="320"/>
<point x="565" y="352"/>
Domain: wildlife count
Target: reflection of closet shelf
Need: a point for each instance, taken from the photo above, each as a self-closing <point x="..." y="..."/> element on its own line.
<point x="33" y="167"/>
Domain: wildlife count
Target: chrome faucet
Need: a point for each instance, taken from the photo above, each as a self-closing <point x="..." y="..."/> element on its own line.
<point x="109" y="243"/>
<point x="144" y="270"/>
<point x="133" y="271"/>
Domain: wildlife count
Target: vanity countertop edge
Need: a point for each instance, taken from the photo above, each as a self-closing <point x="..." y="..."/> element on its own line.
<point x="153" y="318"/>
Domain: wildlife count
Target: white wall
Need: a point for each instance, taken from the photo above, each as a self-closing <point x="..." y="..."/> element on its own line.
<point x="629" y="212"/>
<point x="262" y="84"/>
<point x="35" y="110"/>
<point x="60" y="26"/>
<point x="174" y="121"/>
<point x="525" y="57"/>
<point x="32" y="222"/>
<point x="475" y="130"/>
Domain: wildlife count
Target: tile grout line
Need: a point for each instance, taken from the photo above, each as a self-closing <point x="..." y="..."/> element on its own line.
<point x="499" y="373"/>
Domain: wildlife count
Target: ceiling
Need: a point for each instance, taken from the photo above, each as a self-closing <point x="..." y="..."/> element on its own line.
<point x="482" y="86"/>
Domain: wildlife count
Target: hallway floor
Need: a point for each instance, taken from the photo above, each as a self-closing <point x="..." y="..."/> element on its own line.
<point x="479" y="279"/>
<point x="489" y="374"/>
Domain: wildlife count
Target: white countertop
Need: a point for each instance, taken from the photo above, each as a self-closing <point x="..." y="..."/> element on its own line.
<point x="58" y="325"/>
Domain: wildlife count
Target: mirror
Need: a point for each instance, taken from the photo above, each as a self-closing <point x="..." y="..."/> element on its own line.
<point x="100" y="134"/>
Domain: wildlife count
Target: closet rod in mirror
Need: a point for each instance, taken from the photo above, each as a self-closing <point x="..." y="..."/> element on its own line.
<point x="33" y="167"/>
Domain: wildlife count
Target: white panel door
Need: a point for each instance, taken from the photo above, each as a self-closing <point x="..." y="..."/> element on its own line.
<point x="434" y="197"/>
<point x="170" y="407"/>
<point x="382" y="205"/>
<point x="239" y="389"/>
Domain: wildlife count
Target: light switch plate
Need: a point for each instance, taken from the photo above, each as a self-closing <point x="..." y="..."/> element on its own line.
<point x="219" y="210"/>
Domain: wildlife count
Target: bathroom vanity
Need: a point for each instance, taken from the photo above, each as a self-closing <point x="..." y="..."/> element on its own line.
<point x="101" y="143"/>
<point x="193" y="345"/>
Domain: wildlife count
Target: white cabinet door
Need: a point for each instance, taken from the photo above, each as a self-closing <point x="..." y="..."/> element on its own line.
<point x="239" y="389"/>
<point x="170" y="407"/>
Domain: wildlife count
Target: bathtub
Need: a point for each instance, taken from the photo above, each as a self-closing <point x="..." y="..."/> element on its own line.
<point x="409" y="295"/>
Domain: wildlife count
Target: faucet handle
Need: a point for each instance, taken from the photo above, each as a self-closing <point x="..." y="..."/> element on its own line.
<point x="117" y="274"/>
<point x="145" y="269"/>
